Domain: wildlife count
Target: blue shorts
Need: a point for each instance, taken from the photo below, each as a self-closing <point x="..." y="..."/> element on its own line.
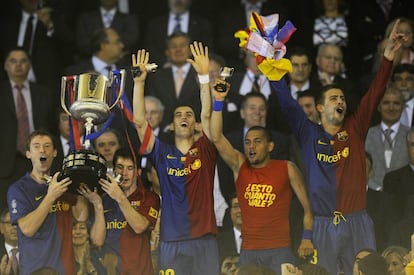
<point x="337" y="244"/>
<point x="272" y="258"/>
<point x="196" y="256"/>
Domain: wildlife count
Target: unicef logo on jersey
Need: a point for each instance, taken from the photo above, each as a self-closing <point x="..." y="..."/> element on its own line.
<point x="181" y="172"/>
<point x="335" y="157"/>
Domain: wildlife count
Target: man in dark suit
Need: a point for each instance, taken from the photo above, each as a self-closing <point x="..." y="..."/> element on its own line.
<point x="399" y="195"/>
<point x="229" y="240"/>
<point x="179" y="19"/>
<point x="176" y="85"/>
<point x="8" y="247"/>
<point x="107" y="15"/>
<point x="45" y="34"/>
<point x="39" y="114"/>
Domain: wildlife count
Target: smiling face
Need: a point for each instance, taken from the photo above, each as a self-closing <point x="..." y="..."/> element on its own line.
<point x="329" y="60"/>
<point x="257" y="148"/>
<point x="333" y="107"/>
<point x="184" y="122"/>
<point x="80" y="233"/>
<point x="41" y="153"/>
<point x="253" y="112"/>
<point x="391" y="107"/>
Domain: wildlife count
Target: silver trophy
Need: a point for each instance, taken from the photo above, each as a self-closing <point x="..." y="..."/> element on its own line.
<point x="87" y="97"/>
<point x="225" y="72"/>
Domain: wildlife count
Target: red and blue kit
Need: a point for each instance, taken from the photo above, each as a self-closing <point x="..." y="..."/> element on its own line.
<point x="51" y="246"/>
<point x="187" y="189"/>
<point x="264" y="196"/>
<point x="336" y="175"/>
<point x="133" y="249"/>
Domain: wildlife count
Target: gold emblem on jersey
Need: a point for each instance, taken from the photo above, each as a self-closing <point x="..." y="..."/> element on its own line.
<point x="342" y="136"/>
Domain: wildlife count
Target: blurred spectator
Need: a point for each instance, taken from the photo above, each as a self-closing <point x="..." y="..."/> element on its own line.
<point x="403" y="80"/>
<point x="373" y="264"/>
<point x="178" y="19"/>
<point x="399" y="192"/>
<point x="9" y="250"/>
<point x="106" y="145"/>
<point x="330" y="26"/>
<point x="395" y="257"/>
<point x="330" y="69"/>
<point x="229" y="240"/>
<point x="87" y="261"/>
<point x="406" y="52"/>
<point x="25" y="106"/>
<point x="229" y="264"/>
<point x="299" y="78"/>
<point x="107" y="15"/>
<point x="359" y="256"/>
<point x="367" y="21"/>
<point x="307" y="101"/>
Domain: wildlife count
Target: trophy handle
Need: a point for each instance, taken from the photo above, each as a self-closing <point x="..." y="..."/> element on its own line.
<point x="121" y="89"/>
<point x="63" y="94"/>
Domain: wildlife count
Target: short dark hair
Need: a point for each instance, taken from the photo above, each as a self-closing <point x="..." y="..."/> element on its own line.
<point x="98" y="37"/>
<point x="321" y="96"/>
<point x="402" y="68"/>
<point x="217" y="58"/>
<point x="124" y="153"/>
<point x="3" y="214"/>
<point x="39" y="132"/>
<point x="307" y="93"/>
<point x="266" y="132"/>
<point x="15" y="49"/>
<point x="298" y="51"/>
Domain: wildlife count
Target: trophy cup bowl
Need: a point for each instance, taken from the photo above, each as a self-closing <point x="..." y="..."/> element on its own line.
<point x="225" y="72"/>
<point x="88" y="96"/>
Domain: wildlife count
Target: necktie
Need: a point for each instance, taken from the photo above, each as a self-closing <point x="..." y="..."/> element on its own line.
<point x="107" y="19"/>
<point x="256" y="86"/>
<point x="22" y="121"/>
<point x="177" y="27"/>
<point x="27" y="42"/>
<point x="14" y="261"/>
<point x="108" y="69"/>
<point x="387" y="138"/>
<point x="179" y="80"/>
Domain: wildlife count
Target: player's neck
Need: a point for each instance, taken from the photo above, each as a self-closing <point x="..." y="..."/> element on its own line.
<point x="184" y="144"/>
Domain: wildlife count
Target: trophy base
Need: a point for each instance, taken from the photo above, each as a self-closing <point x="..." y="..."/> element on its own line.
<point x="83" y="167"/>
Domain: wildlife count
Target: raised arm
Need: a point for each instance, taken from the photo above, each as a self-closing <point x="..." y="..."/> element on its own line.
<point x="201" y="65"/>
<point x="138" y="62"/>
<point x="298" y="186"/>
<point x="233" y="158"/>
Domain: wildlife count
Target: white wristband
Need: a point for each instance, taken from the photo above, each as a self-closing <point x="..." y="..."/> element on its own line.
<point x="204" y="78"/>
